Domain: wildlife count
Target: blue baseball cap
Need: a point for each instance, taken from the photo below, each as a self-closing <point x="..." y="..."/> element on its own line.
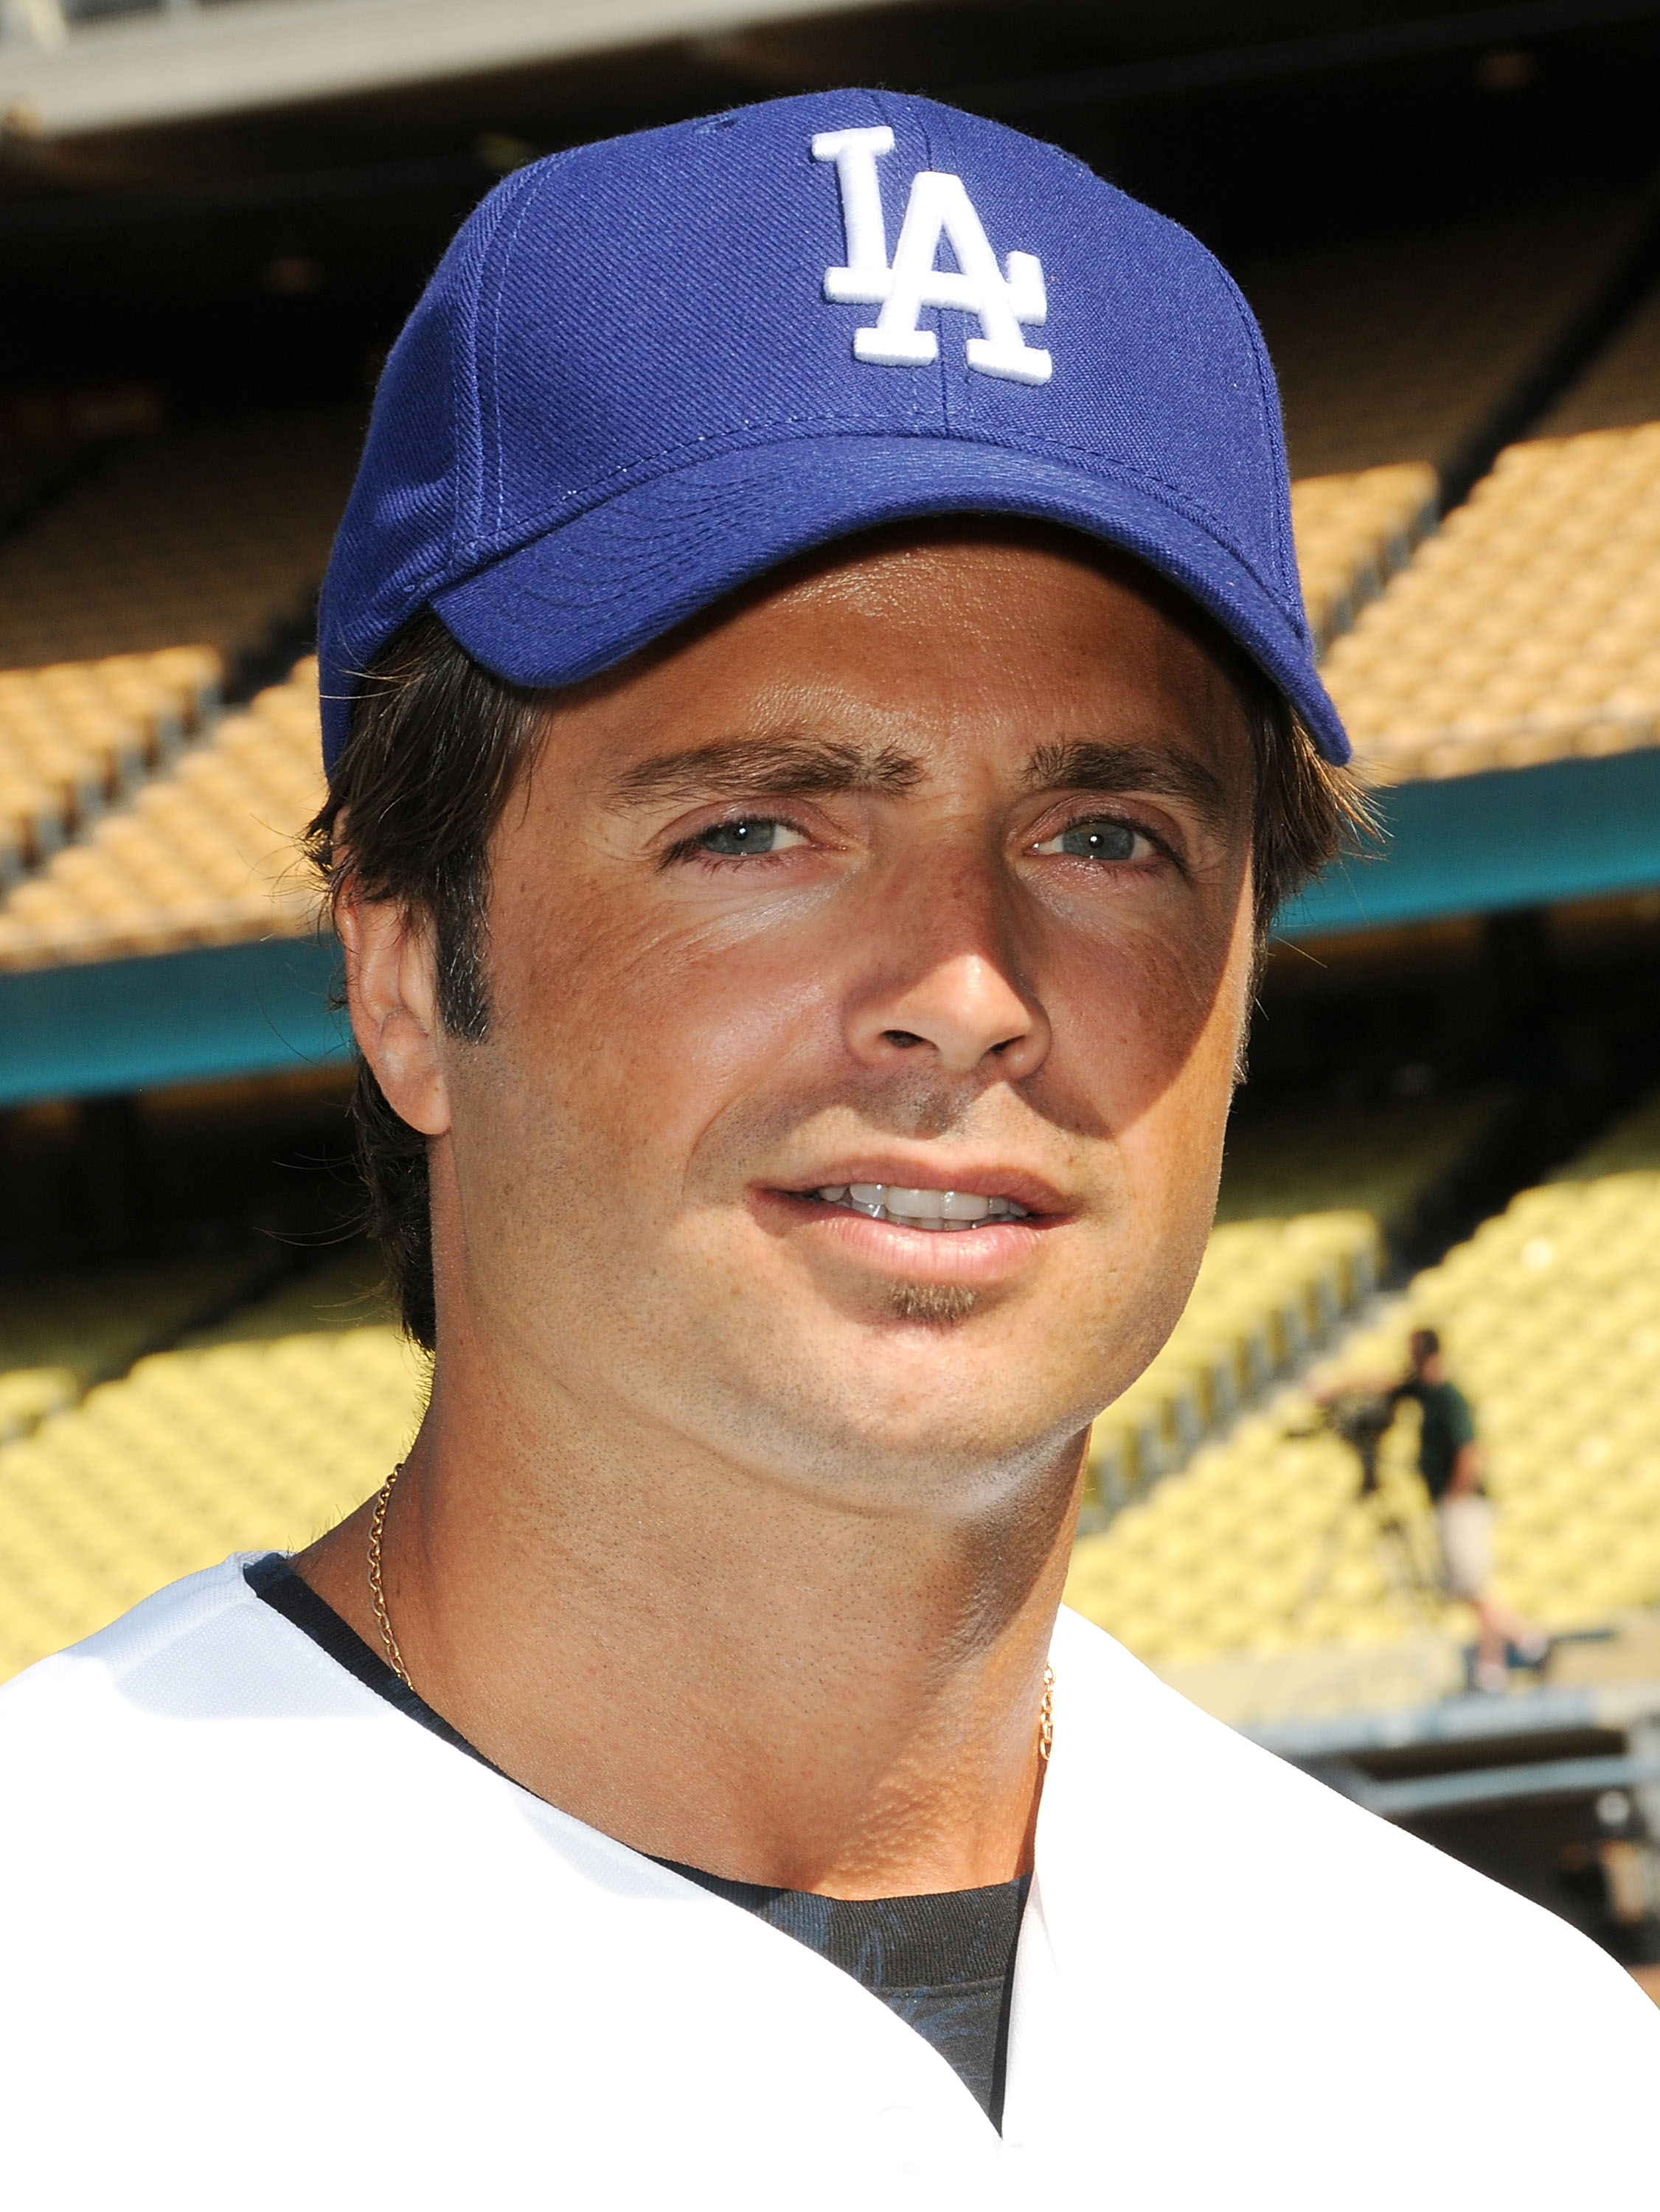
<point x="649" y="370"/>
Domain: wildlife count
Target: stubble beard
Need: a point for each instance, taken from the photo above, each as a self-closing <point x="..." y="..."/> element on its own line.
<point x="942" y="1305"/>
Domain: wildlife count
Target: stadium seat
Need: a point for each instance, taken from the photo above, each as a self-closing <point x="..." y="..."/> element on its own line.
<point x="1527" y="629"/>
<point x="1353" y="533"/>
<point x="1551" y="1318"/>
<point x="1395" y="358"/>
<point x="204" y="854"/>
<point x="1388" y="1160"/>
<point x="1266" y="1292"/>
<point x="127" y="604"/>
<point x="245" y="1447"/>
<point x="1620" y="390"/>
<point x="217" y="534"/>
<point x="255" y="1434"/>
<point x="1406" y="348"/>
<point x="83" y="1328"/>
<point x="1305" y="1223"/>
<point x="79" y="737"/>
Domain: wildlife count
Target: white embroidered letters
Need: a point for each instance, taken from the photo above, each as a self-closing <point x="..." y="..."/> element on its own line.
<point x="854" y="152"/>
<point x="939" y="211"/>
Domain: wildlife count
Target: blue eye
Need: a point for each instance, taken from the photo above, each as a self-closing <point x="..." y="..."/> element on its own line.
<point x="1096" y="839"/>
<point x="754" y="832"/>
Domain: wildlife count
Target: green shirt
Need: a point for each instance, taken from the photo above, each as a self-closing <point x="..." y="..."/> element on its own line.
<point x="1448" y="1425"/>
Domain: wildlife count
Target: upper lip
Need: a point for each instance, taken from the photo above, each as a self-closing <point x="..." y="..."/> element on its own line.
<point x="987" y="1180"/>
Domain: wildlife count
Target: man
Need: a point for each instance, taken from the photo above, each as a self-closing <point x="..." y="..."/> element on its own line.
<point x="1450" y="1460"/>
<point x="819" y="713"/>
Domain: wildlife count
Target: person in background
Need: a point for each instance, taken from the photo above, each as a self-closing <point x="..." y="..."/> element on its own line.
<point x="1450" y="1460"/>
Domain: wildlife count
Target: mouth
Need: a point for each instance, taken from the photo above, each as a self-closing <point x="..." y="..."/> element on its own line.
<point x="931" y="1234"/>
<point x="939" y="1212"/>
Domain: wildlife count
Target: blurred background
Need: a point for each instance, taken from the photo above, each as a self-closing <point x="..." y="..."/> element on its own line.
<point x="214" y="216"/>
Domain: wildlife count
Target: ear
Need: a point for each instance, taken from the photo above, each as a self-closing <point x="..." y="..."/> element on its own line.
<point x="391" y="991"/>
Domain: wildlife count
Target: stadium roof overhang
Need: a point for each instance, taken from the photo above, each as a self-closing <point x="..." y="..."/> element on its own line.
<point x="58" y="79"/>
<point x="71" y="68"/>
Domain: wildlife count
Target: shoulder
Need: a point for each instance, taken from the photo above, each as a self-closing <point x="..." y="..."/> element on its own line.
<point x="202" y="1650"/>
<point x="1261" y="1934"/>
<point x="1130" y="1722"/>
<point x="1275" y="1852"/>
<point x="187" y="1619"/>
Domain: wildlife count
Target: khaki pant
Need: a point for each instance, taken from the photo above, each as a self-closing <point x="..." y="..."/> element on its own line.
<point x="1466" y="1528"/>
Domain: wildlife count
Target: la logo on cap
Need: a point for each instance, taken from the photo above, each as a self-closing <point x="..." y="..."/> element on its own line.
<point x="939" y="209"/>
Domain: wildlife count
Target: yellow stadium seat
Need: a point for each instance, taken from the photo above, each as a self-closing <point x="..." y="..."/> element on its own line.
<point x="205" y="855"/>
<point x="236" y="1446"/>
<point x="1550" y="1316"/>
<point x="1524" y="630"/>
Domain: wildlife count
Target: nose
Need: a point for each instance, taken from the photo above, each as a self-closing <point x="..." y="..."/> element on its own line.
<point x="963" y="1011"/>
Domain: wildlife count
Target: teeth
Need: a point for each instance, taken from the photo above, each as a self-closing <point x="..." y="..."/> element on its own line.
<point x="922" y="1209"/>
<point x="966" y="1206"/>
<point x="916" y="1205"/>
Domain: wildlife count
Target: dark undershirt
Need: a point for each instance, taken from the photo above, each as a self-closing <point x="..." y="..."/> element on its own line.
<point x="944" y="1964"/>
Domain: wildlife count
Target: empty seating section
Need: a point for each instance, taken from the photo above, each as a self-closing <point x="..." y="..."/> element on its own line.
<point x="1550" y="1315"/>
<point x="1620" y="389"/>
<point x="1406" y="348"/>
<point x="1266" y="1292"/>
<point x="1395" y="356"/>
<point x="125" y="608"/>
<point x="1528" y="629"/>
<point x="1353" y="533"/>
<point x="136" y="816"/>
<point x="259" y="1433"/>
<point x="79" y="737"/>
<point x="345" y="1290"/>
<point x="1521" y="630"/>
<point x="244" y="1447"/>
<point x="267" y="1423"/>
<point x="58" y="1336"/>
<point x="1308" y="1211"/>
<point x="1388" y="1160"/>
<point x="203" y="855"/>
<point x="214" y="536"/>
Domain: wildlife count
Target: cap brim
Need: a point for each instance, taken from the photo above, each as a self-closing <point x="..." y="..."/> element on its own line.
<point x="597" y="588"/>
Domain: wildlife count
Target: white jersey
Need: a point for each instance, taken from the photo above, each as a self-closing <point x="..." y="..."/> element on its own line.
<point x="266" y="1940"/>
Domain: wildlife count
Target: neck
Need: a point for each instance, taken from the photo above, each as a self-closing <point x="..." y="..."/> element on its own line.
<point x="713" y="1665"/>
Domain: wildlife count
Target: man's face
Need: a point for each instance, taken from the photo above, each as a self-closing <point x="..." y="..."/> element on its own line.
<point x="926" y="867"/>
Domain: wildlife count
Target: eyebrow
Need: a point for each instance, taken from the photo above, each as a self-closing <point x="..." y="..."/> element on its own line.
<point x="776" y="767"/>
<point x="1161" y="772"/>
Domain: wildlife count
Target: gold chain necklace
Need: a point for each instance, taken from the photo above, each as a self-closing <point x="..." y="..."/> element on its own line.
<point x="377" y="1588"/>
<point x="395" y="1657"/>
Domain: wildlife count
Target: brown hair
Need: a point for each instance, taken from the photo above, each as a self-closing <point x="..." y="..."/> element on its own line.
<point x="437" y="746"/>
